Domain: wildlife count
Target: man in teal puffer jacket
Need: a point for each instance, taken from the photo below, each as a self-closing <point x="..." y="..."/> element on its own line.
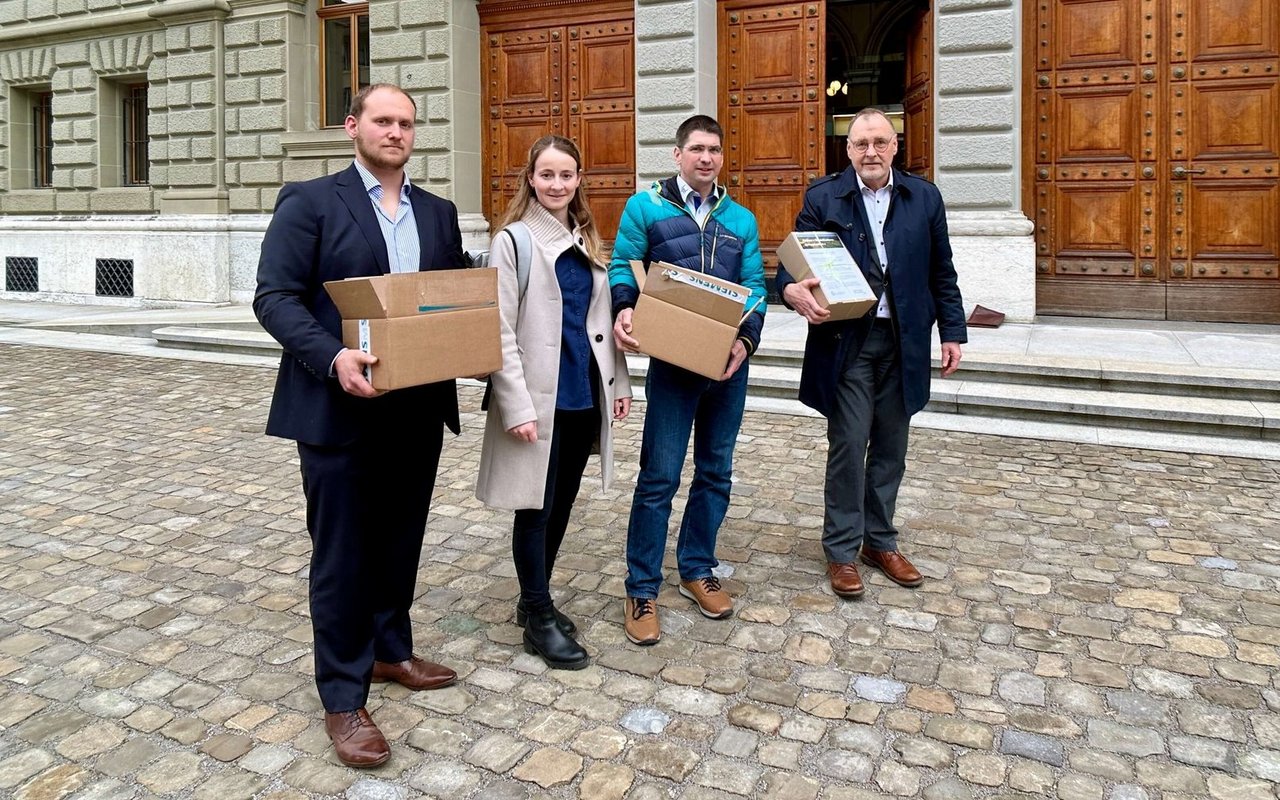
<point x="690" y="221"/>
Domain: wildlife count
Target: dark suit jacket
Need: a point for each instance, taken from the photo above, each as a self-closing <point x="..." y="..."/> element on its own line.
<point x="920" y="272"/>
<point x="323" y="230"/>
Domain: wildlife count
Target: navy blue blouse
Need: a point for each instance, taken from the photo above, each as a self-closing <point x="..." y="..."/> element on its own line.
<point x="574" y="392"/>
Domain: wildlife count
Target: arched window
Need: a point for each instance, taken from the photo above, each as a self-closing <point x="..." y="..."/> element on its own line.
<point x="344" y="56"/>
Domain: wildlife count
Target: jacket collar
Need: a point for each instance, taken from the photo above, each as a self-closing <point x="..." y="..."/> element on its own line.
<point x="847" y="183"/>
<point x="547" y="230"/>
<point x="356" y="198"/>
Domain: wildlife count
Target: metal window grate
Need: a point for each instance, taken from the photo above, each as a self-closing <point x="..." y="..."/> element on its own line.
<point x="42" y="140"/>
<point x="136" y="163"/>
<point x="113" y="277"/>
<point x="21" y="274"/>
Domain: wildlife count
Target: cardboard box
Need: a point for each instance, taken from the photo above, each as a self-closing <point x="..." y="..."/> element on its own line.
<point x="687" y="318"/>
<point x="423" y="326"/>
<point x="844" y="290"/>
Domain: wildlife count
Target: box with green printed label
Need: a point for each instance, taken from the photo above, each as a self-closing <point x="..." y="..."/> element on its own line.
<point x="820" y="254"/>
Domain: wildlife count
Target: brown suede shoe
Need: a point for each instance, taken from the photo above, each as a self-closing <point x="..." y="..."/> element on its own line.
<point x="712" y="601"/>
<point x="414" y="674"/>
<point x="356" y="740"/>
<point x="845" y="580"/>
<point x="640" y="621"/>
<point x="894" y="565"/>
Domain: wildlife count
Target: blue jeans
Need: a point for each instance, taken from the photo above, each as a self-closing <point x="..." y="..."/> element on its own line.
<point x="680" y="402"/>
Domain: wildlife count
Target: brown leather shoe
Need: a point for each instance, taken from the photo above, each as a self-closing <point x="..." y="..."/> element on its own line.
<point x="415" y="673"/>
<point x="713" y="602"/>
<point x="894" y="565"/>
<point x="356" y="740"/>
<point x="845" y="580"/>
<point x="640" y="621"/>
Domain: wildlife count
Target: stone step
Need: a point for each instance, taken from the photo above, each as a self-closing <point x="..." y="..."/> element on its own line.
<point x="1092" y="373"/>
<point x="1221" y="410"/>
<point x="1238" y="404"/>
<point x="216" y="339"/>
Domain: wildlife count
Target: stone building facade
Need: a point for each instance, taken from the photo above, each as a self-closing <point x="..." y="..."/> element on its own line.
<point x="233" y="96"/>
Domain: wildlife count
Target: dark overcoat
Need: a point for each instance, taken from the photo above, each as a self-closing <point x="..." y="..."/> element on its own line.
<point x="923" y="280"/>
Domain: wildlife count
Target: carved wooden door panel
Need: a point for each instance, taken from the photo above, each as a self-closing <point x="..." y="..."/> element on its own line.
<point x="1155" y="159"/>
<point x="1224" y="161"/>
<point x="525" y="99"/>
<point x="602" y="116"/>
<point x="917" y="103"/>
<point x="567" y="69"/>
<point x="771" y="107"/>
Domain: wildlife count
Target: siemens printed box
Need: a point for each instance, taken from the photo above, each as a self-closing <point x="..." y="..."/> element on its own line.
<point x="423" y="326"/>
<point x="687" y="318"/>
<point x="820" y="254"/>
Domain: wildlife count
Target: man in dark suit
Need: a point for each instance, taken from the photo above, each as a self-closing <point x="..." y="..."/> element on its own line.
<point x="869" y="375"/>
<point x="368" y="458"/>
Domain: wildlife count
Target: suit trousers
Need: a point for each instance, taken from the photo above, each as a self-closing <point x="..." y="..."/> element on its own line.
<point x="867" y="436"/>
<point x="366" y="513"/>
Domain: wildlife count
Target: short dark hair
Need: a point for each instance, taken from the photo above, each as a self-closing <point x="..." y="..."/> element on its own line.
<point x="698" y="122"/>
<point x="357" y="102"/>
<point x="869" y="111"/>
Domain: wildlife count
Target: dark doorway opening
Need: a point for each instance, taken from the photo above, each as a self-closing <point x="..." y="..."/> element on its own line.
<point x="873" y="52"/>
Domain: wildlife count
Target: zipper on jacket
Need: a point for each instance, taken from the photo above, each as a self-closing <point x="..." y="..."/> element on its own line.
<point x="702" y="230"/>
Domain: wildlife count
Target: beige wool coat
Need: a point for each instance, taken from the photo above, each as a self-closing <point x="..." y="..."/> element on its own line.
<point x="513" y="474"/>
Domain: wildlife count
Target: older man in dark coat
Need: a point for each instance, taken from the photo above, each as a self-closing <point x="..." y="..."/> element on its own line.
<point x="869" y="375"/>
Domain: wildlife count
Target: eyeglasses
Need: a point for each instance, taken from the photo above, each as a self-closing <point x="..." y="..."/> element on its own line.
<point x="861" y="145"/>
<point x="699" y="149"/>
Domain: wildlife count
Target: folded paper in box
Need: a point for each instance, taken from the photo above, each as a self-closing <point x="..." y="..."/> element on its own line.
<point x="423" y="326"/>
<point x="688" y="318"/>
<point x="843" y="289"/>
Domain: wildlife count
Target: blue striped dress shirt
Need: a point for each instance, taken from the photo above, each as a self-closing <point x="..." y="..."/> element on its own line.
<point x="400" y="234"/>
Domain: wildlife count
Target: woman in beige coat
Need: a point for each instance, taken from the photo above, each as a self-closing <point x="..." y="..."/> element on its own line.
<point x="561" y="385"/>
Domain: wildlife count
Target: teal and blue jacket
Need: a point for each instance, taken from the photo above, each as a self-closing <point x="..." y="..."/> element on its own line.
<point x="656" y="226"/>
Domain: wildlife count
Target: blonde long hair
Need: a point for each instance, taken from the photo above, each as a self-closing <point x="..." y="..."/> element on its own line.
<point x="579" y="208"/>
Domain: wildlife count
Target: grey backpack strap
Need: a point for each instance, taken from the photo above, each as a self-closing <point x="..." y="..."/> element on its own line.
<point x="522" y="241"/>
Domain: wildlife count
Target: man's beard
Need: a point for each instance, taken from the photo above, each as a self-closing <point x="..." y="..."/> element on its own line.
<point x="380" y="158"/>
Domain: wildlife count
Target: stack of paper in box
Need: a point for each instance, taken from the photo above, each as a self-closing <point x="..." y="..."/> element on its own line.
<point x="687" y="318"/>
<point x="820" y="254"/>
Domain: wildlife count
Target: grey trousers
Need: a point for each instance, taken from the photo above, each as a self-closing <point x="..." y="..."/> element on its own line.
<point x="867" y="434"/>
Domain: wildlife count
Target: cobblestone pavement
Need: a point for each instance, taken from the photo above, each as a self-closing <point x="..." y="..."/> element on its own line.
<point x="1097" y="625"/>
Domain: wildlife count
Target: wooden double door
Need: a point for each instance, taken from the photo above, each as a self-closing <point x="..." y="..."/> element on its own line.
<point x="1153" y="152"/>
<point x="568" y="70"/>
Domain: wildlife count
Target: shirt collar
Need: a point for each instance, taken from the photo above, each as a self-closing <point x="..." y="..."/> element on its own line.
<point x="686" y="189"/>
<point x="863" y="187"/>
<point x="371" y="183"/>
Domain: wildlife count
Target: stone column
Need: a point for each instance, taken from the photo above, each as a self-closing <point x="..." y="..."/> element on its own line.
<point x="675" y="77"/>
<point x="431" y="48"/>
<point x="977" y="161"/>
<point x="188" y="139"/>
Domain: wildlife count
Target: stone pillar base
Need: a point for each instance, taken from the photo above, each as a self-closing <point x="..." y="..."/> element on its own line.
<point x="475" y="231"/>
<point x="995" y="259"/>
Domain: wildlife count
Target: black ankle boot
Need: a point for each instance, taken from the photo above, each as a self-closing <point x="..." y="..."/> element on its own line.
<point x="543" y="637"/>
<point x="562" y="620"/>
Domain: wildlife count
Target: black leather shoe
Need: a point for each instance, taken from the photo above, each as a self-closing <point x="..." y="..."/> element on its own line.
<point x="563" y="620"/>
<point x="543" y="637"/>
